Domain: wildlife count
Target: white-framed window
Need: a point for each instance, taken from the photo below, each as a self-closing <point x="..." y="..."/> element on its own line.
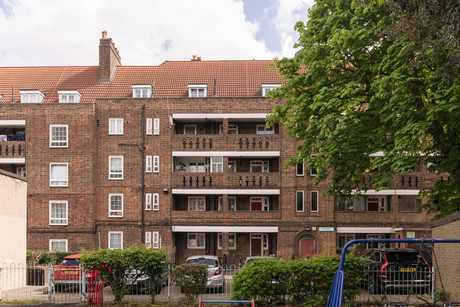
<point x="116" y="167"/>
<point x="115" y="240"/>
<point x="142" y="90"/>
<point x="259" y="167"/>
<point x="232" y="166"/>
<point x="259" y="203"/>
<point x="148" y="201"/>
<point x="197" y="167"/>
<point x="300" y="169"/>
<point x="58" y="212"/>
<point x="115" y="205"/>
<point x="59" y="174"/>
<point x="217" y="164"/>
<point x="69" y="96"/>
<point x="196" y="203"/>
<point x="115" y="126"/>
<point x="377" y="203"/>
<point x="262" y="129"/>
<point x="231" y="203"/>
<point x="156" y="126"/>
<point x="231" y="241"/>
<point x="189" y="129"/>
<point x="265" y="241"/>
<point x="155" y="240"/>
<point x="156" y="164"/>
<point x="148" y="164"/>
<point x="232" y="129"/>
<point x="344" y="239"/>
<point x="148" y="239"/>
<point x="31" y="96"/>
<point x="59" y="136"/>
<point x="197" y="90"/>
<point x="148" y="126"/>
<point x="299" y="198"/>
<point x="155" y="201"/>
<point x="21" y="171"/>
<point x="58" y="245"/>
<point x="314" y="201"/>
<point x="196" y="241"/>
<point x="269" y="87"/>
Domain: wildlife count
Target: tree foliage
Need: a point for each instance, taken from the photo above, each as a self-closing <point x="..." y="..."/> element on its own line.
<point x="365" y="101"/>
<point x="191" y="278"/>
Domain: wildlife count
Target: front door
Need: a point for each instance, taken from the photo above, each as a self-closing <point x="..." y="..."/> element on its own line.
<point x="256" y="204"/>
<point x="307" y="247"/>
<point x="256" y="246"/>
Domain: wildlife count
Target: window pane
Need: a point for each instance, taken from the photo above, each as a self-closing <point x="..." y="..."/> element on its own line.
<point x="314" y="201"/>
<point x="299" y="198"/>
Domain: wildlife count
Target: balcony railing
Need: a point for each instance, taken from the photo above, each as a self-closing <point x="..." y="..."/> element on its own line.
<point x="227" y="142"/>
<point x="12" y="149"/>
<point x="236" y="218"/>
<point x="227" y="180"/>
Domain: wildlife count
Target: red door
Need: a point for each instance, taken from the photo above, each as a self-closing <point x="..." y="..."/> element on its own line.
<point x="256" y="206"/>
<point x="307" y="248"/>
<point x="256" y="247"/>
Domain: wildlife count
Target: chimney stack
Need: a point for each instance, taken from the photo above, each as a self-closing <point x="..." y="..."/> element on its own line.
<point x="109" y="59"/>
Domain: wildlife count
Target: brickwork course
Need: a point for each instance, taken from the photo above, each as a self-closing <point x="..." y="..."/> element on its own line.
<point x="214" y="155"/>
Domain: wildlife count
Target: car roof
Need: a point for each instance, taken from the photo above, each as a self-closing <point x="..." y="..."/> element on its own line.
<point x="203" y="256"/>
<point x="74" y="256"/>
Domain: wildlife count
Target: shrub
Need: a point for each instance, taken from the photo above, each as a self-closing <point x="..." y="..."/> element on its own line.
<point x="191" y="279"/>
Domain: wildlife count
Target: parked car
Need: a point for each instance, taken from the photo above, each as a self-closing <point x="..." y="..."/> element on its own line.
<point x="397" y="268"/>
<point x="216" y="279"/>
<point x="139" y="283"/>
<point x="252" y="258"/>
<point x="68" y="273"/>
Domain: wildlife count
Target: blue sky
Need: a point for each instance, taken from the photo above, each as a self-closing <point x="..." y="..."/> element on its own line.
<point x="147" y="32"/>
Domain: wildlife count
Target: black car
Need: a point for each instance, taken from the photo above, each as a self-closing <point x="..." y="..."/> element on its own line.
<point x="393" y="270"/>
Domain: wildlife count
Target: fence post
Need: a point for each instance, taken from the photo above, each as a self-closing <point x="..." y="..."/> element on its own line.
<point x="433" y="284"/>
<point x="169" y="283"/>
<point x="50" y="283"/>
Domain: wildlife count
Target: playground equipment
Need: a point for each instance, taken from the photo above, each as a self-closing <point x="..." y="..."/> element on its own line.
<point x="336" y="294"/>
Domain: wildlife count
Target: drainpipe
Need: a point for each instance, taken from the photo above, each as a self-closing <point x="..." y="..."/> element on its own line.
<point x="142" y="172"/>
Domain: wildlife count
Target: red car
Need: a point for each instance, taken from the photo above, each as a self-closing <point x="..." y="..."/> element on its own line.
<point x="68" y="273"/>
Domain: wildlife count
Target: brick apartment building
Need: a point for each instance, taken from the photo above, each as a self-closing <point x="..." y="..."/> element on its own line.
<point x="177" y="156"/>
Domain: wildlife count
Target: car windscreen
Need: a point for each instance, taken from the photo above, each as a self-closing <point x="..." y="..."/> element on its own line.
<point x="403" y="258"/>
<point x="70" y="262"/>
<point x="205" y="261"/>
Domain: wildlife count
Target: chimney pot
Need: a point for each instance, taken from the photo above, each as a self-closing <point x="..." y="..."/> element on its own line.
<point x="198" y="58"/>
<point x="104" y="34"/>
<point x="193" y="57"/>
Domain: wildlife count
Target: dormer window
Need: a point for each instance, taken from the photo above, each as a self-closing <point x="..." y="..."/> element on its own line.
<point x="142" y="90"/>
<point x="69" y="96"/>
<point x="197" y="90"/>
<point x="31" y="96"/>
<point x="269" y="87"/>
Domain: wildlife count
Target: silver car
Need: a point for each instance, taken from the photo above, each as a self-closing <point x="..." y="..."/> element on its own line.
<point x="216" y="278"/>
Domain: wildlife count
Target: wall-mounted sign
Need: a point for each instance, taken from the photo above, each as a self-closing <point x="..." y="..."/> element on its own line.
<point x="326" y="229"/>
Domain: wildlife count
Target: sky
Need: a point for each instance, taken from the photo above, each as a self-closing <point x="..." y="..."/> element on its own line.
<point x="147" y="32"/>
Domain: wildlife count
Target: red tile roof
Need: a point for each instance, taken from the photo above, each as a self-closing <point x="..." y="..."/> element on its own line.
<point x="170" y="79"/>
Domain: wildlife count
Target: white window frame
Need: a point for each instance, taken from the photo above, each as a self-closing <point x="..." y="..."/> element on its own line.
<point x="148" y="201"/>
<point x="59" y="143"/>
<point x="69" y="96"/>
<point x="260" y="163"/>
<point x="192" y="201"/>
<point x="149" y="126"/>
<point x="148" y="164"/>
<point x="119" y="212"/>
<point x="109" y="245"/>
<point x="317" y="201"/>
<point x="220" y="203"/>
<point x="265" y="241"/>
<point x="196" y="235"/>
<point x="31" y="96"/>
<point x="265" y="131"/>
<point x="219" y="241"/>
<point x="347" y="238"/>
<point x="116" y="126"/>
<point x="156" y="164"/>
<point x="265" y="202"/>
<point x="217" y="164"/>
<point x="156" y="126"/>
<point x="191" y="127"/>
<point x="115" y="174"/>
<point x="194" y="90"/>
<point x="142" y="90"/>
<point x="155" y="201"/>
<point x="55" y="221"/>
<point x="59" y="182"/>
<point x="148" y="239"/>
<point x="297" y="200"/>
<point x="382" y="203"/>
<point x="231" y="127"/>
<point x="155" y="240"/>
<point x="51" y="241"/>
<point x="269" y="87"/>
<point x="299" y="174"/>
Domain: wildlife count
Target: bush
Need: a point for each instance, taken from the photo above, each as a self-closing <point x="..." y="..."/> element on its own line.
<point x="191" y="279"/>
<point x="302" y="282"/>
<point x="43" y="258"/>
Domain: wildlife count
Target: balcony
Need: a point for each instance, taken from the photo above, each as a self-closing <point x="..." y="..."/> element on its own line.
<point x="12" y="149"/>
<point x="252" y="142"/>
<point x="231" y="218"/>
<point x="226" y="180"/>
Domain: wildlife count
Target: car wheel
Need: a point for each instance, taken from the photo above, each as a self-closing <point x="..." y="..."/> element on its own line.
<point x="373" y="285"/>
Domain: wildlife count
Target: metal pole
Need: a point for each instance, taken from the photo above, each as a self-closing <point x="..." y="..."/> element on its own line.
<point x="50" y="283"/>
<point x="433" y="284"/>
<point x="1" y="281"/>
<point x="169" y="283"/>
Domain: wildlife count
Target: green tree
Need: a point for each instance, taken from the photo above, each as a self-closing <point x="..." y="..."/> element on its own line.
<point x="363" y="105"/>
<point x="191" y="279"/>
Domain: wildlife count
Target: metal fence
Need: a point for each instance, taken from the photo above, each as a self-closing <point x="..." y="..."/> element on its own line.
<point x="21" y="283"/>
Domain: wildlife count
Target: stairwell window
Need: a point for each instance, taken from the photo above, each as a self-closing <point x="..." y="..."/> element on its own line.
<point x="58" y="174"/>
<point x="300" y="201"/>
<point x="58" y="212"/>
<point x="197" y="90"/>
<point x="115" y="205"/>
<point x="115" y="126"/>
<point x="58" y="136"/>
<point x="314" y="201"/>
<point x="115" y="167"/>
<point x="115" y="240"/>
<point x="58" y="245"/>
